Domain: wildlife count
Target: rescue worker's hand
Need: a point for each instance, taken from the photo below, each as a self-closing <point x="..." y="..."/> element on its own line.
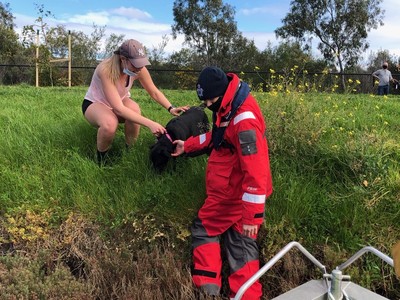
<point x="250" y="230"/>
<point x="179" y="149"/>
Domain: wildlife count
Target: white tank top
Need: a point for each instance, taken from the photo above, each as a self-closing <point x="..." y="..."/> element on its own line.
<point x="95" y="92"/>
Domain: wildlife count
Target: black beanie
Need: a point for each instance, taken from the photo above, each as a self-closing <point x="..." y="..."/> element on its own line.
<point x="212" y="83"/>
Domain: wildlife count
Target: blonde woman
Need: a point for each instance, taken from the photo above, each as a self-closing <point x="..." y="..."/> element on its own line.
<point x="108" y="101"/>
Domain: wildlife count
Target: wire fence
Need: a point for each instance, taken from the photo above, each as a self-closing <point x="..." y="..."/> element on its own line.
<point x="185" y="79"/>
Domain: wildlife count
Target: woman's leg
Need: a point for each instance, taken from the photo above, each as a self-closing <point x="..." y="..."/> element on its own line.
<point x="131" y="129"/>
<point x="106" y="121"/>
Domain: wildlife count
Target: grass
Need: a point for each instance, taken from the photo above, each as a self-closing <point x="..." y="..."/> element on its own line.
<point x="335" y="164"/>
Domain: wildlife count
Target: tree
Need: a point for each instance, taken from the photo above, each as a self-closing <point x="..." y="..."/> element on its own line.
<point x="6" y="17"/>
<point x="375" y="61"/>
<point x="10" y="48"/>
<point x="85" y="49"/>
<point x="208" y="26"/>
<point x="288" y="61"/>
<point x="8" y="43"/>
<point x="183" y="59"/>
<point x="29" y="31"/>
<point x="112" y="44"/>
<point x="341" y="26"/>
<point x="242" y="54"/>
<point x="157" y="54"/>
<point x="8" y="38"/>
<point x="54" y="45"/>
<point x="289" y="55"/>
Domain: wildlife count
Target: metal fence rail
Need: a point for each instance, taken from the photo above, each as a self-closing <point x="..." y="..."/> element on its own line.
<point x="186" y="79"/>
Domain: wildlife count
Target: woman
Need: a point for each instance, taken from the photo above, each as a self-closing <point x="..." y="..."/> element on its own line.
<point x="108" y="101"/>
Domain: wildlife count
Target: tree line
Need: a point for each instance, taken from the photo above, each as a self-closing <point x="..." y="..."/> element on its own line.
<point x="211" y="37"/>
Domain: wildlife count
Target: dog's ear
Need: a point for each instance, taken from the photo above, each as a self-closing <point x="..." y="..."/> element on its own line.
<point x="155" y="143"/>
<point x="160" y="155"/>
<point x="165" y="152"/>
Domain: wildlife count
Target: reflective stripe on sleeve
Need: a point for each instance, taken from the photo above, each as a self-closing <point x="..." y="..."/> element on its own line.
<point x="202" y="138"/>
<point x="258" y="199"/>
<point x="243" y="116"/>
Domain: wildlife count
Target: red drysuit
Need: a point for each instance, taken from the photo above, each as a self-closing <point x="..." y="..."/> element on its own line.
<point x="238" y="180"/>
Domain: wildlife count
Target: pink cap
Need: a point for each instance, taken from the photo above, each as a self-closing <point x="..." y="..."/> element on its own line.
<point x="134" y="51"/>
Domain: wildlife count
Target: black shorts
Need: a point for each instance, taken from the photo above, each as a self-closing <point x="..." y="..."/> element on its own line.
<point x="85" y="104"/>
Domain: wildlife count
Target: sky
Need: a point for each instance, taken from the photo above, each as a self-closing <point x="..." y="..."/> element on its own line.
<point x="149" y="20"/>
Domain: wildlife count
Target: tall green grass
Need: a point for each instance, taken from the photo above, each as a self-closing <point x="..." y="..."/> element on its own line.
<point x="334" y="159"/>
<point x="339" y="154"/>
<point x="49" y="158"/>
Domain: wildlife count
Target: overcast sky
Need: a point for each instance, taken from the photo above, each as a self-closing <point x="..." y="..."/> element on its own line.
<point x="148" y="20"/>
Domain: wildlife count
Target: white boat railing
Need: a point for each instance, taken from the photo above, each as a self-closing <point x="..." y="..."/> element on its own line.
<point x="273" y="261"/>
<point x="336" y="274"/>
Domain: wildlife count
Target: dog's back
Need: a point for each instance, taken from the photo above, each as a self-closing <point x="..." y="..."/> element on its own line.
<point x="192" y="122"/>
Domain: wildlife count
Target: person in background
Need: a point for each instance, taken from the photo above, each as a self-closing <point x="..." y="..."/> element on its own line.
<point x="238" y="181"/>
<point x="385" y="77"/>
<point x="108" y="101"/>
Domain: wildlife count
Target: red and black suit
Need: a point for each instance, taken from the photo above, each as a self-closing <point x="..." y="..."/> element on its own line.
<point x="238" y="181"/>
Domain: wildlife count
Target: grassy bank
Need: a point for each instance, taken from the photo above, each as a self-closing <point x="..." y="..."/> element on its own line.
<point x="113" y="231"/>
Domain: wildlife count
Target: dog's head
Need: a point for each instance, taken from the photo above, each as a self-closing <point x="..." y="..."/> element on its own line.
<point x="160" y="153"/>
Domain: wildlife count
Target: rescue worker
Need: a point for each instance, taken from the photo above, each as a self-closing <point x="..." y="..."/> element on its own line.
<point x="238" y="181"/>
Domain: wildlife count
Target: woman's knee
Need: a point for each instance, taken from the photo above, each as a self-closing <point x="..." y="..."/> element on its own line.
<point x="109" y="126"/>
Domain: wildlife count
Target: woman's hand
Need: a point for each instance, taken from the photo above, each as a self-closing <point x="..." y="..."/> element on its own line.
<point x="157" y="129"/>
<point x="176" y="111"/>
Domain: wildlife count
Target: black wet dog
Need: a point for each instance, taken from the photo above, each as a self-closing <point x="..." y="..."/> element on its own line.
<point x="192" y="122"/>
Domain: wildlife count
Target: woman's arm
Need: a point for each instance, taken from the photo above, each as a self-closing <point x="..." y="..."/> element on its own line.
<point x="147" y="82"/>
<point x="111" y="92"/>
